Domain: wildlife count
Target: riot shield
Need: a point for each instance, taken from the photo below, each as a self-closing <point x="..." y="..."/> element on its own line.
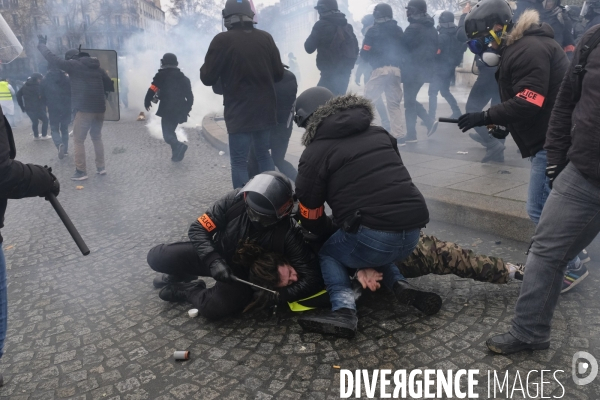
<point x="108" y="62"/>
<point x="10" y="48"/>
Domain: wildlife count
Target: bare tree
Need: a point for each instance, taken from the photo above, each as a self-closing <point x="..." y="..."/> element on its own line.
<point x="204" y="15"/>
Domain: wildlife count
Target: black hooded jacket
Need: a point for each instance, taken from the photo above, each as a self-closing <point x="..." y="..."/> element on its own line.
<point x="18" y="180"/>
<point x="420" y="45"/>
<point x="529" y="77"/>
<point x="246" y="63"/>
<point x="355" y="166"/>
<point x="451" y="50"/>
<point x="320" y="39"/>
<point x="574" y="131"/>
<point x="56" y="92"/>
<point x="381" y="46"/>
<point x="562" y="26"/>
<point x="225" y="236"/>
<point x="30" y="98"/>
<point x="89" y="82"/>
<point x="176" y="97"/>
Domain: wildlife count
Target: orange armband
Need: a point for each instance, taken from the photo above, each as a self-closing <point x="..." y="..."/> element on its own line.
<point x="154" y="88"/>
<point x="311" y="213"/>
<point x="532" y="97"/>
<point x="207" y="223"/>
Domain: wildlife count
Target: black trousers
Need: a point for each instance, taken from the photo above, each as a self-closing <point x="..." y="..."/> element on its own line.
<point x="279" y="139"/>
<point x="59" y="128"/>
<point x="441" y="83"/>
<point x="36" y="116"/>
<point x="221" y="300"/>
<point x="335" y="80"/>
<point x="412" y="107"/>
<point x="484" y="90"/>
<point x="168" y="129"/>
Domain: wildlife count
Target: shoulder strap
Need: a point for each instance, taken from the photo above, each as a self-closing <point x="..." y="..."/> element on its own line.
<point x="234" y="211"/>
<point x="579" y="69"/>
<point x="278" y="241"/>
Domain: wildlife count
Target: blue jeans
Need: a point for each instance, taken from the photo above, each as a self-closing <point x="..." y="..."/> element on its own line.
<point x="239" y="147"/>
<point x="569" y="223"/>
<point x="366" y="248"/>
<point x="538" y="191"/>
<point x="3" y="301"/>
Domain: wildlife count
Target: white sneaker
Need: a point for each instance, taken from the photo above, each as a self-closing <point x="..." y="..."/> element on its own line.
<point x="47" y="137"/>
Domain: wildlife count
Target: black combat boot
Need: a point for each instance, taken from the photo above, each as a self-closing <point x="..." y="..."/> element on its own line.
<point x="165" y="279"/>
<point x="177" y="292"/>
<point x="342" y="323"/>
<point x="428" y="303"/>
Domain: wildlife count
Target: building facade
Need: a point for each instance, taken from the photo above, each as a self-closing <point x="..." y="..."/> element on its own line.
<point x="94" y="24"/>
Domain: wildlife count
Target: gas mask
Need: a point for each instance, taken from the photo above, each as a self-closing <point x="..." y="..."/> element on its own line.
<point x="482" y="47"/>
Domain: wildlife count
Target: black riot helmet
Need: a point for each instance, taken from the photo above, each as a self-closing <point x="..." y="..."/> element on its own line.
<point x="383" y="10"/>
<point x="238" y="7"/>
<point x="574" y="12"/>
<point x="308" y="102"/>
<point x="446" y="17"/>
<point x="36" y="77"/>
<point x="326" y="5"/>
<point x="416" y="7"/>
<point x="485" y="15"/>
<point x="169" y="59"/>
<point x="269" y="198"/>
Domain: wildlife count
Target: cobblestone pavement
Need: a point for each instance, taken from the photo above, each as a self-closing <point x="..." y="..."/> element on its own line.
<point x="94" y="328"/>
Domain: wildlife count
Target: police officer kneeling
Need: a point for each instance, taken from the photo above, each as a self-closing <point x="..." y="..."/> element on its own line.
<point x="356" y="168"/>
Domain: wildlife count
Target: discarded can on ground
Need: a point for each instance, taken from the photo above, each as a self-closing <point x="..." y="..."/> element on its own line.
<point x="181" y="355"/>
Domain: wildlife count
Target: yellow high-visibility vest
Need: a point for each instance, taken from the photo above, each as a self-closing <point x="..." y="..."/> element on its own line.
<point x="4" y="92"/>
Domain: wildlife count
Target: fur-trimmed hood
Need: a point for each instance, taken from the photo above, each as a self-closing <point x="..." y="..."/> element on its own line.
<point x="340" y="117"/>
<point x="529" y="25"/>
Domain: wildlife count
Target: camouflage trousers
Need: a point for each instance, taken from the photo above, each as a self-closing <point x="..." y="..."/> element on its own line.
<point x="434" y="256"/>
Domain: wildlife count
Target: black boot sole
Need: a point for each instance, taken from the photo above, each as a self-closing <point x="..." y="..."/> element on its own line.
<point x="166" y="294"/>
<point x="407" y="296"/>
<point x="517" y="348"/>
<point x="327" y="328"/>
<point x="159" y="283"/>
<point x="428" y="303"/>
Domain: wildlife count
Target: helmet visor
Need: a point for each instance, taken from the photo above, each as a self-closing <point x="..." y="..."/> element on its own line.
<point x="10" y="48"/>
<point x="479" y="45"/>
<point x="260" y="218"/>
<point x="278" y="193"/>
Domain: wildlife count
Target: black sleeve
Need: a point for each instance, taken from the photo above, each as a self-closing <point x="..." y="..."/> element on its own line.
<point x="276" y="63"/>
<point x="148" y="98"/>
<point x="18" y="180"/>
<point x="312" y="42"/>
<point x="214" y="60"/>
<point x="20" y="97"/>
<point x="367" y="49"/>
<point x="189" y="95"/>
<point x="311" y="190"/>
<point x="202" y="230"/>
<point x="66" y="65"/>
<point x="306" y="264"/>
<point x="109" y="84"/>
<point x="558" y="136"/>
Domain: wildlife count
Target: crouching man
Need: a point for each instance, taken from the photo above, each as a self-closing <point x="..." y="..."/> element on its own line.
<point x="257" y="213"/>
<point x="356" y="168"/>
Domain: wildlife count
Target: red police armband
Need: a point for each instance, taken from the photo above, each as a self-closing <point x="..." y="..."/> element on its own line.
<point x="311" y="213"/>
<point x="207" y="223"/>
<point x="569" y="49"/>
<point x="532" y="97"/>
<point x="154" y="88"/>
<point x="366" y="47"/>
<point x="439" y="51"/>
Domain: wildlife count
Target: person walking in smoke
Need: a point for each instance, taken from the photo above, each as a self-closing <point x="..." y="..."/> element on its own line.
<point x="450" y="55"/>
<point x="483" y="92"/>
<point x="333" y="38"/>
<point x="381" y="49"/>
<point x="89" y="83"/>
<point x="294" y="67"/>
<point x="56" y="92"/>
<point x="243" y="65"/>
<point x="419" y="47"/>
<point x="174" y="91"/>
<point x="7" y="100"/>
<point x="31" y="102"/>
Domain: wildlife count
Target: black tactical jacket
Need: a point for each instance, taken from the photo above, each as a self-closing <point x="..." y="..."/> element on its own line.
<point x="218" y="238"/>
<point x="176" y="97"/>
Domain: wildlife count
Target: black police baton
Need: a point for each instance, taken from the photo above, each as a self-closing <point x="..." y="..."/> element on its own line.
<point x="448" y="120"/>
<point x="68" y="223"/>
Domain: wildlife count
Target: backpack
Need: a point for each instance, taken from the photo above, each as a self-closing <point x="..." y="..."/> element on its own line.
<point x="579" y="69"/>
<point x="344" y="46"/>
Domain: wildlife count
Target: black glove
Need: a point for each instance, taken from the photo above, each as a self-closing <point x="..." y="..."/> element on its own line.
<point x="472" y="120"/>
<point x="147" y="106"/>
<point x="55" y="190"/>
<point x="499" y="132"/>
<point x="42" y="39"/>
<point x="552" y="171"/>
<point x="220" y="271"/>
